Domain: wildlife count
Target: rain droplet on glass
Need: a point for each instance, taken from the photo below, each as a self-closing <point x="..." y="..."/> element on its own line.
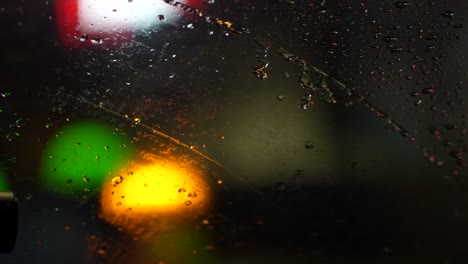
<point x="309" y="145"/>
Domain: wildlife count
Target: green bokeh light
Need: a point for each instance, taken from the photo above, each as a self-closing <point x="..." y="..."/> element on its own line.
<point x="81" y="156"/>
<point x="4" y="185"/>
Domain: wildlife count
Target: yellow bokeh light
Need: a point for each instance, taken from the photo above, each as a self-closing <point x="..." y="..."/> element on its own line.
<point x="154" y="194"/>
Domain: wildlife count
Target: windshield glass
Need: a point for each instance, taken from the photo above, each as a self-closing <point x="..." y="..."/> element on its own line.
<point x="154" y="131"/>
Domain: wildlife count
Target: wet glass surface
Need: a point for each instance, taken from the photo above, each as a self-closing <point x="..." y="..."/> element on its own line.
<point x="235" y="131"/>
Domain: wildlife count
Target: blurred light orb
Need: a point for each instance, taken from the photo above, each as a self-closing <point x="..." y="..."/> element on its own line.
<point x="154" y="194"/>
<point x="78" y="159"/>
<point x="113" y="23"/>
<point x="4" y="183"/>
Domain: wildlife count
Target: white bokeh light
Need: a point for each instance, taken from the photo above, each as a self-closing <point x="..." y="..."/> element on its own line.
<point x="107" y="16"/>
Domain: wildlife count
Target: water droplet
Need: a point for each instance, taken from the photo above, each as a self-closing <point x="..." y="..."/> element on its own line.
<point x="102" y="250"/>
<point x="448" y="143"/>
<point x="192" y="195"/>
<point x="396" y="50"/>
<point x="280" y="186"/>
<point x="451" y="126"/>
<point x="428" y="90"/>
<point x="280" y="97"/>
<point x="117" y="180"/>
<point x="457" y="154"/>
<point x="188" y="203"/>
<point x="430" y="48"/>
<point x="402" y="4"/>
<point x="435" y="131"/>
<point x="172" y="75"/>
<point x="432" y="37"/>
<point x="448" y="14"/>
<point x="97" y="41"/>
<point x="390" y="39"/>
<point x="309" y="145"/>
<point x="85" y="179"/>
<point x="431" y="158"/>
<point x="190" y="26"/>
<point x="83" y="38"/>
